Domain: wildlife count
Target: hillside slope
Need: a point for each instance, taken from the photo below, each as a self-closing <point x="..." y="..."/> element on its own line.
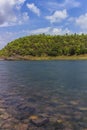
<point x="46" y="45"/>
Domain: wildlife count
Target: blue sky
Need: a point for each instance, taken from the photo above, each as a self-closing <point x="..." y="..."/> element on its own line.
<point x="25" y="17"/>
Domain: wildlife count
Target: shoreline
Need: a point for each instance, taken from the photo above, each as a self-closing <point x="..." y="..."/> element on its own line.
<point x="14" y="58"/>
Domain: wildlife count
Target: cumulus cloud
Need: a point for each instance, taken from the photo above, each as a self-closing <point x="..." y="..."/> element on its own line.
<point x="34" y="8"/>
<point x="81" y="21"/>
<point x="9" y="14"/>
<point x="58" y="16"/>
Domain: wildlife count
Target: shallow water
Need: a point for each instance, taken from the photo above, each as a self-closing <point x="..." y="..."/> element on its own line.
<point x="53" y="89"/>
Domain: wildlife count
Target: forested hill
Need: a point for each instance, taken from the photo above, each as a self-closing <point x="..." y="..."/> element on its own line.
<point x="47" y="45"/>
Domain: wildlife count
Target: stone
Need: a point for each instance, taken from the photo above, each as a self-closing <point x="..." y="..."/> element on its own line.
<point x="59" y="121"/>
<point x="33" y="117"/>
<point x="74" y="102"/>
<point x="39" y="120"/>
<point x="21" y="126"/>
<point x="23" y="112"/>
<point x="58" y="126"/>
<point x="31" y="100"/>
<point x="7" y="126"/>
<point x="83" y="108"/>
<point x="4" y="116"/>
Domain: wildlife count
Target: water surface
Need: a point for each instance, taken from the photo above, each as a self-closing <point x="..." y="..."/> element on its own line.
<point x="56" y="89"/>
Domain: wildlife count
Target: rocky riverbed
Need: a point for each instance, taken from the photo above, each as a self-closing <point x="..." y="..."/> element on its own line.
<point x="39" y="112"/>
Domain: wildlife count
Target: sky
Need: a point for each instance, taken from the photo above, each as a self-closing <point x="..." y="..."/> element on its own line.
<point x="19" y="18"/>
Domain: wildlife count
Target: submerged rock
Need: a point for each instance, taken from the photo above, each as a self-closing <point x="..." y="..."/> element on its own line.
<point x="31" y="100"/>
<point x="23" y="112"/>
<point x="33" y="117"/>
<point x="83" y="108"/>
<point x="39" y="120"/>
<point x="21" y="126"/>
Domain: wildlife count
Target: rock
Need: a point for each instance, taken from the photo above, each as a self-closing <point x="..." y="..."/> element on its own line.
<point x="4" y="116"/>
<point x="23" y="112"/>
<point x="21" y="126"/>
<point x="83" y="108"/>
<point x="31" y="100"/>
<point x="6" y="126"/>
<point x="74" y="102"/>
<point x="2" y="110"/>
<point x="58" y="126"/>
<point x="33" y="117"/>
<point x="53" y="104"/>
<point x="39" y="120"/>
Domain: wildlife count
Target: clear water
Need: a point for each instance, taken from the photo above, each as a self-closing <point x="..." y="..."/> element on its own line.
<point x="57" y="89"/>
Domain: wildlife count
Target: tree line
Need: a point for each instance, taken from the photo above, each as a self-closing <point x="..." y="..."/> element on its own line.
<point x="47" y="45"/>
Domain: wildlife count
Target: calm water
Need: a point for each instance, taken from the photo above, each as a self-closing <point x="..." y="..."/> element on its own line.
<point x="57" y="89"/>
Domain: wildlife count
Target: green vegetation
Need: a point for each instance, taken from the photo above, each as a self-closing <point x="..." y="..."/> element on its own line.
<point x="46" y="46"/>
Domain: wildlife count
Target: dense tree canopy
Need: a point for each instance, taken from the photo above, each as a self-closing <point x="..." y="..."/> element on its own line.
<point x="47" y="45"/>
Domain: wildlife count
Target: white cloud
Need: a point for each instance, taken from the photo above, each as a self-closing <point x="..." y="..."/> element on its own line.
<point x="22" y="18"/>
<point x="34" y="8"/>
<point x="53" y="5"/>
<point x="81" y="21"/>
<point x="61" y="31"/>
<point x="19" y="3"/>
<point x="9" y="12"/>
<point x="71" y="3"/>
<point x="40" y="30"/>
<point x="25" y="16"/>
<point x="58" y="16"/>
<point x="46" y="30"/>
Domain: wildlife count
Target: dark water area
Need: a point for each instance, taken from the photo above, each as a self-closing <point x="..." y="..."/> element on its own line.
<point x="54" y="90"/>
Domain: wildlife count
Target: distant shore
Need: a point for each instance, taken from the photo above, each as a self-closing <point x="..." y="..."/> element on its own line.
<point x="74" y="57"/>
